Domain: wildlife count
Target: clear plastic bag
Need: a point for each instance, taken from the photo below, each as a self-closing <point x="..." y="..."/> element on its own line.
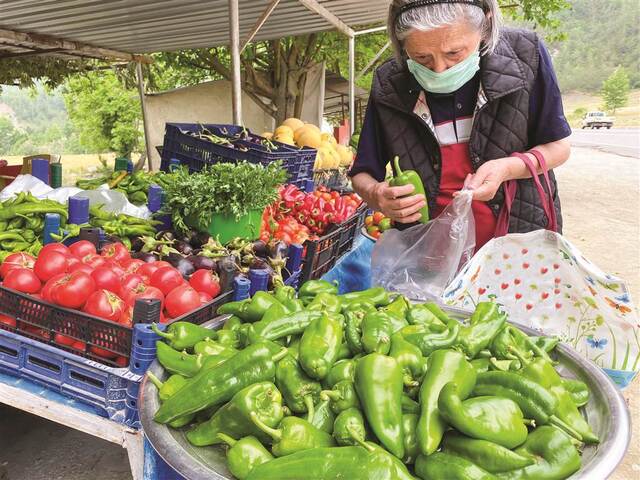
<point x="421" y="261"/>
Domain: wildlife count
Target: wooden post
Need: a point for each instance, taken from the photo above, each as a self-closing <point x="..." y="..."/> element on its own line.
<point x="234" y="45"/>
<point x="143" y="106"/>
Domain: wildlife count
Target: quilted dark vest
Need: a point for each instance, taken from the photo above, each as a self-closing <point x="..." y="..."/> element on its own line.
<point x="499" y="127"/>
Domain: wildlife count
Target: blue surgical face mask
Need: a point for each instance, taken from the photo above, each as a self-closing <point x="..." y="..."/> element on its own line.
<point x="448" y="81"/>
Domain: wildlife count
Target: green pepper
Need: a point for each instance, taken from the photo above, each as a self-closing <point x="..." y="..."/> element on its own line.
<point x="343" y="352"/>
<point x="244" y="455"/>
<point x="354" y="463"/>
<point x="178" y="362"/>
<point x="349" y="429"/>
<point x="353" y="330"/>
<point x="376" y="333"/>
<point x="320" y="346"/>
<point x="182" y="335"/>
<point x="554" y="454"/>
<point x="428" y="339"/>
<point x="444" y="366"/>
<point x="234" y="417"/>
<point x="409" y="430"/>
<point x="210" y="347"/>
<point x="169" y="387"/>
<point x="376" y="295"/>
<point x="229" y="339"/>
<point x="341" y="370"/>
<point x="410" y="177"/>
<point x="342" y="397"/>
<point x="325" y="302"/>
<point x="548" y="344"/>
<point x="260" y="303"/>
<point x="310" y="289"/>
<point x="484" y="325"/>
<point x="533" y="399"/>
<point x="495" y="419"/>
<point x="292" y="324"/>
<point x="444" y="465"/>
<point x="299" y="391"/>
<point x="209" y="387"/>
<point x="510" y="338"/>
<point x="490" y="456"/>
<point x="287" y="297"/>
<point x="293" y="435"/>
<point x="232" y="323"/>
<point x="409" y="405"/>
<point x="578" y="390"/>
<point x="323" y="417"/>
<point x="422" y="315"/>
<point x="235" y="308"/>
<point x="399" y="306"/>
<point x="410" y="359"/>
<point x="483" y="365"/>
<point x="359" y="306"/>
<point x="542" y="372"/>
<point x="379" y="388"/>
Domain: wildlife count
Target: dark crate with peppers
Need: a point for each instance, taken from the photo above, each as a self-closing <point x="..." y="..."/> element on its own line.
<point x="367" y="385"/>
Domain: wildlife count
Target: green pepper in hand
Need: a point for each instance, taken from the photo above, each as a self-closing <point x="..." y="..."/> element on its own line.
<point x="410" y="177"/>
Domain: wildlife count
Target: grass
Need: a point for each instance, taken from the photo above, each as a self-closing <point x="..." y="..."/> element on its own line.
<point x="628" y="116"/>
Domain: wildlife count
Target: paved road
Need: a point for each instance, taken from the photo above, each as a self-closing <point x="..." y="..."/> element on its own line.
<point x="621" y="141"/>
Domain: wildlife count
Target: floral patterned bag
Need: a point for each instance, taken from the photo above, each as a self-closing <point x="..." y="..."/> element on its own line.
<point x="545" y="283"/>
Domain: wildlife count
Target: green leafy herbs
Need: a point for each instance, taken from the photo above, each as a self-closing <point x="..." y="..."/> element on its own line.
<point x="224" y="188"/>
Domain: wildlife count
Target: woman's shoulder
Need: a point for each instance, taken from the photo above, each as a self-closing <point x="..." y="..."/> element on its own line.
<point x="387" y="74"/>
<point x="515" y="37"/>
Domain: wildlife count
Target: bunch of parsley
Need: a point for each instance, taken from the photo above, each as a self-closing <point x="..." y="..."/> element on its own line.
<point x="231" y="189"/>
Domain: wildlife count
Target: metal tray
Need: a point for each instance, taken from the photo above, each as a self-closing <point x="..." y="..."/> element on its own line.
<point x="606" y="412"/>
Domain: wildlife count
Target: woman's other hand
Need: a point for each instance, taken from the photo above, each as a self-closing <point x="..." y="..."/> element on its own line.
<point x="397" y="203"/>
<point x="488" y="178"/>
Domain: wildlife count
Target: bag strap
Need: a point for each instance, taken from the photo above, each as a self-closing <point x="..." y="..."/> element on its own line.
<point x="511" y="187"/>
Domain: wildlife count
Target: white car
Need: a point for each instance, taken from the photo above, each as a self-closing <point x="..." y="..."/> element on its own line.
<point x="597" y="120"/>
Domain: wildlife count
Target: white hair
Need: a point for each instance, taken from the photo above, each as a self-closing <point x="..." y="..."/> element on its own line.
<point x="486" y="20"/>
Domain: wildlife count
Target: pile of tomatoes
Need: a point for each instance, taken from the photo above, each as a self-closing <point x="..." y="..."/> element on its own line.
<point x="104" y="284"/>
<point x="377" y="224"/>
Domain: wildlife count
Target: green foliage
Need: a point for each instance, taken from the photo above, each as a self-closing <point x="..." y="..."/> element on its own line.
<point x="10" y="137"/>
<point x="597" y="40"/>
<point x="615" y="90"/>
<point x="51" y="71"/>
<point x="226" y="188"/>
<point x="106" y="115"/>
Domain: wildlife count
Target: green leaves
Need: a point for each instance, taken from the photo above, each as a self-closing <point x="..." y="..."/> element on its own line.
<point x="225" y="188"/>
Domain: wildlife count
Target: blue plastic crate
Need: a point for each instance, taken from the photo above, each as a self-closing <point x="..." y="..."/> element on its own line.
<point x="196" y="153"/>
<point x="103" y="388"/>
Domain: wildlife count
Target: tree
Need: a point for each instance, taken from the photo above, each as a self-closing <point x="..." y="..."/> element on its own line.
<point x="615" y="90"/>
<point x="10" y="137"/>
<point x="106" y="114"/>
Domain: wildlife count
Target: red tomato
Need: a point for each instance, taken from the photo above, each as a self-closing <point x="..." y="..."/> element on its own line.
<point x="56" y="247"/>
<point x="162" y="263"/>
<point x="81" y="267"/>
<point x="181" y="300"/>
<point x="5" y="320"/>
<point x="205" y="298"/>
<point x="148" y="269"/>
<point x="78" y="345"/>
<point x="94" y="260"/>
<point x="130" y="282"/>
<point x="23" y="280"/>
<point x="131" y="266"/>
<point x="116" y="252"/>
<point x="118" y="270"/>
<point x="73" y="290"/>
<point x="73" y="262"/>
<point x="49" y="264"/>
<point x="142" y="291"/>
<point x="82" y="248"/>
<point x="121" y="361"/>
<point x="64" y="340"/>
<point x="104" y="304"/>
<point x="45" y="293"/>
<point x="101" y="352"/>
<point x="36" y="331"/>
<point x="166" y="279"/>
<point x="205" y="281"/>
<point x="126" y="318"/>
<point x="16" y="260"/>
<point x="377" y="217"/>
<point x="107" y="279"/>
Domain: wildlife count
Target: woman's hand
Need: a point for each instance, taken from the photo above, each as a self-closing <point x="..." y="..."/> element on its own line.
<point x="488" y="178"/>
<point x="395" y="203"/>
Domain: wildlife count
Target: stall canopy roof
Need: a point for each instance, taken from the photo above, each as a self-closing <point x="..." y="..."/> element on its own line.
<point x="145" y="26"/>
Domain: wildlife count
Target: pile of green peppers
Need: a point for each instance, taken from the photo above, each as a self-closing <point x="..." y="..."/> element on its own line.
<point x="320" y="386"/>
<point x="134" y="186"/>
<point x="22" y="223"/>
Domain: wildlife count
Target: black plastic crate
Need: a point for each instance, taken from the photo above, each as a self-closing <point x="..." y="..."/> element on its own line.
<point x="196" y="153"/>
<point x="321" y="255"/>
<point x="333" y="179"/>
<point x="31" y="313"/>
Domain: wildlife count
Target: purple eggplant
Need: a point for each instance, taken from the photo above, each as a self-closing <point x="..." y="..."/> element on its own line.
<point x="277" y="249"/>
<point x="181" y="264"/>
<point x="259" y="264"/>
<point x="183" y="247"/>
<point x="205" y="263"/>
<point x="136" y="244"/>
<point x="199" y="239"/>
<point x="259" y="248"/>
<point x="165" y="236"/>
<point x="145" y="257"/>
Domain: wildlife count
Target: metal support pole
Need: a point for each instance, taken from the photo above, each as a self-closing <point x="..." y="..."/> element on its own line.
<point x="352" y="84"/>
<point x="370" y="30"/>
<point x="143" y="105"/>
<point x="234" y="44"/>
<point x="261" y="21"/>
<point x="373" y="61"/>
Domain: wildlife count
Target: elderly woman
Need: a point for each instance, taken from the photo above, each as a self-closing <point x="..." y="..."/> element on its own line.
<point x="461" y="97"/>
